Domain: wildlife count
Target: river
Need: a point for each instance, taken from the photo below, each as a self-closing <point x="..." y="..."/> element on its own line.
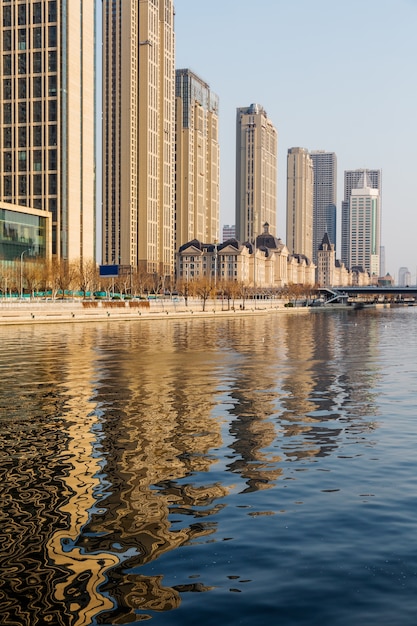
<point x="252" y="470"/>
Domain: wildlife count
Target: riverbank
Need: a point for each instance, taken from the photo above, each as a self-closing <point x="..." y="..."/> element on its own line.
<point x="41" y="312"/>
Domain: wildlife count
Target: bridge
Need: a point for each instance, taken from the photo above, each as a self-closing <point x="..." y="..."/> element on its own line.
<point x="368" y="294"/>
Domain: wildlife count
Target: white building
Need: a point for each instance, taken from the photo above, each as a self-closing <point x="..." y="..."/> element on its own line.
<point x="364" y="229"/>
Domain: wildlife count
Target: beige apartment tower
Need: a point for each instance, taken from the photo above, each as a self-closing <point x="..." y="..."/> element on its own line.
<point x="300" y="183"/>
<point x="197" y="160"/>
<point x="47" y="116"/>
<point x="256" y="173"/>
<point x="138" y="134"/>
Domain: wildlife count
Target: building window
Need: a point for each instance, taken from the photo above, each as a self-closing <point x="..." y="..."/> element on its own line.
<point x="37" y="13"/>
<point x="22" y="39"/>
<point x="52" y="154"/>
<point x="7" y="137"/>
<point x="7" y="89"/>
<point x="37" y="135"/>
<point x="22" y="91"/>
<point x="22" y="185"/>
<point x="7" y="161"/>
<point x="22" y="136"/>
<point x="37" y="62"/>
<point x="22" y="112"/>
<point x="37" y="185"/>
<point x="52" y="37"/>
<point x="52" y="110"/>
<point x="22" y="160"/>
<point x="7" y="65"/>
<point x="52" y="85"/>
<point x="52" y="61"/>
<point x="37" y="37"/>
<point x="7" y="16"/>
<point x="37" y="111"/>
<point x="7" y="185"/>
<point x="7" y="40"/>
<point x="52" y="135"/>
<point x="52" y="184"/>
<point x="52" y="11"/>
<point x="37" y="160"/>
<point x="21" y="16"/>
<point x="37" y="86"/>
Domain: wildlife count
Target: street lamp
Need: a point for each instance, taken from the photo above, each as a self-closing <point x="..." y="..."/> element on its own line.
<point x="21" y="273"/>
<point x="215" y="263"/>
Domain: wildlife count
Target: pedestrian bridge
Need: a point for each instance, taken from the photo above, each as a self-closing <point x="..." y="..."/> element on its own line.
<point x="368" y="294"/>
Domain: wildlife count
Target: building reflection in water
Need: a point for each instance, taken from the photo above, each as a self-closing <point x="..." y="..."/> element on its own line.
<point x="109" y="460"/>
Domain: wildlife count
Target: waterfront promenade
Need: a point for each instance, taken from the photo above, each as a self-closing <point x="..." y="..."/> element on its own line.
<point x="39" y="311"/>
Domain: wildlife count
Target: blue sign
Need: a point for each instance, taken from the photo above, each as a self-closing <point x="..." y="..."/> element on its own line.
<point x="109" y="271"/>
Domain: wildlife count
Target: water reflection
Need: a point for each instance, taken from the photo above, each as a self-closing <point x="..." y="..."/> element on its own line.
<point x="124" y="450"/>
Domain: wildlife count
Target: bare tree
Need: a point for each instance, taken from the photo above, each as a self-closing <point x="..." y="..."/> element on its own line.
<point x="33" y="274"/>
<point x="64" y="274"/>
<point x="204" y="288"/>
<point x="86" y="276"/>
<point x="8" y="282"/>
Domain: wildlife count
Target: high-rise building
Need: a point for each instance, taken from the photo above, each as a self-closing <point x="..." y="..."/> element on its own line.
<point x="138" y="134"/>
<point x="229" y="232"/>
<point x="364" y="228"/>
<point x="353" y="179"/>
<point x="47" y="116"/>
<point x="324" y="198"/>
<point x="404" y="277"/>
<point x="300" y="202"/>
<point x="256" y="173"/>
<point x="197" y="160"/>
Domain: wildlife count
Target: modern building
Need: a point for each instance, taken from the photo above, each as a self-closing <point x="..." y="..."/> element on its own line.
<point x="324" y="198"/>
<point x="352" y="180"/>
<point x="138" y="134"/>
<point x="300" y="202"/>
<point x="404" y="277"/>
<point x="197" y="160"/>
<point x="24" y="232"/>
<point x="47" y="117"/>
<point x="364" y="229"/>
<point x="228" y="232"/>
<point x="256" y="172"/>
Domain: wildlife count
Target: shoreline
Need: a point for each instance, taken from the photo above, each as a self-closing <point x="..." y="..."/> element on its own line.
<point x="39" y="312"/>
<point x="12" y="314"/>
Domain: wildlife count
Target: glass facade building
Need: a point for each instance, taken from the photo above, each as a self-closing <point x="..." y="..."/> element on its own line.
<point x="24" y="231"/>
<point x="47" y="116"/>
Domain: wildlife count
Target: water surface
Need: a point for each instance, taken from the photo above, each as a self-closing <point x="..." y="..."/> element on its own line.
<point x="256" y="470"/>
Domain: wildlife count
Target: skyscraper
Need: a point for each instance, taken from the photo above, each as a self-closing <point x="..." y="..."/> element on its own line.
<point x="47" y="116"/>
<point x="197" y="160"/>
<point x="256" y="172"/>
<point x="353" y="179"/>
<point x="300" y="202"/>
<point x="138" y="134"/>
<point x="364" y="228"/>
<point x="324" y="198"/>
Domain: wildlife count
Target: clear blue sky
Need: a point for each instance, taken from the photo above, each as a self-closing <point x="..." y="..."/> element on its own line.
<point x="332" y="75"/>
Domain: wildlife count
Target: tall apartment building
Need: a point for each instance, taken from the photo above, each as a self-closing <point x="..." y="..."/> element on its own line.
<point x="352" y="180"/>
<point x="197" y="204"/>
<point x="256" y="173"/>
<point x="364" y="228"/>
<point x="300" y="202"/>
<point x="47" y="116"/>
<point x="229" y="232"/>
<point x="324" y="198"/>
<point x="138" y="134"/>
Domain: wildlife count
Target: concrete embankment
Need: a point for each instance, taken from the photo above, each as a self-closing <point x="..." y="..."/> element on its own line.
<point x="36" y="312"/>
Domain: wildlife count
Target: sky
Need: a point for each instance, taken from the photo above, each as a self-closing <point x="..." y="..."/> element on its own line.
<point x="331" y="75"/>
